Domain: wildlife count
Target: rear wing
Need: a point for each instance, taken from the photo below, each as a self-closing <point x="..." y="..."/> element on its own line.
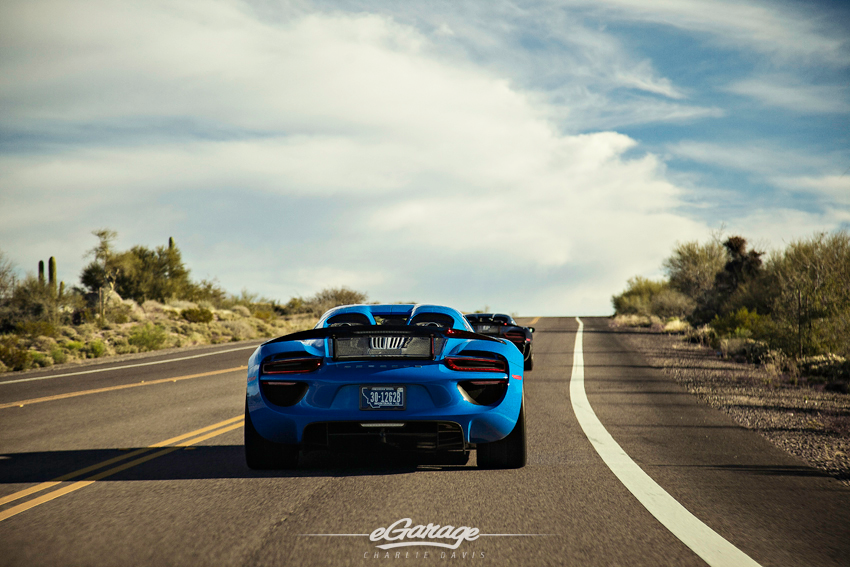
<point x="374" y="342"/>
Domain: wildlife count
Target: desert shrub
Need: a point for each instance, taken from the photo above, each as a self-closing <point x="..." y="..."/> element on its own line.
<point x="637" y="299"/>
<point x="58" y="355"/>
<point x="265" y="315"/>
<point x="197" y="315"/>
<point x="777" y="362"/>
<point x="241" y="310"/>
<point x="74" y="345"/>
<point x="151" y="306"/>
<point x="830" y="369"/>
<point x="693" y="267"/>
<point x="670" y="303"/>
<point x="295" y="306"/>
<point x="13" y="355"/>
<point x="743" y="349"/>
<point x="41" y="360"/>
<point x="240" y="330"/>
<point x="148" y="337"/>
<point x="119" y="314"/>
<point x="333" y="297"/>
<point x="631" y="320"/>
<point x="43" y="344"/>
<point x="809" y="296"/>
<point x="69" y="332"/>
<point x="677" y="326"/>
<point x="741" y="324"/>
<point x="703" y="335"/>
<point x="35" y="329"/>
<point x="94" y="349"/>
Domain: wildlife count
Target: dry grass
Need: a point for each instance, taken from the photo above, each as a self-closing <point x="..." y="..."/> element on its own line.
<point x="153" y="326"/>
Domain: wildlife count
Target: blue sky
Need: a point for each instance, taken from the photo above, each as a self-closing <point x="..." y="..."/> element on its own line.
<point x="527" y="156"/>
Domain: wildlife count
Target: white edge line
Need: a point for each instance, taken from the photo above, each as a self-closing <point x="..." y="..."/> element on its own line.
<point x="710" y="546"/>
<point x="125" y="366"/>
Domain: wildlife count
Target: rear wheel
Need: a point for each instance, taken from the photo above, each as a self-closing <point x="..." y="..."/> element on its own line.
<point x="507" y="453"/>
<point x="529" y="362"/>
<point x="262" y="454"/>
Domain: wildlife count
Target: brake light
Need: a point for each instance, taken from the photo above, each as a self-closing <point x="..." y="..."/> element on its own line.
<point x="515" y="336"/>
<point x="475" y="364"/>
<point x="292" y="365"/>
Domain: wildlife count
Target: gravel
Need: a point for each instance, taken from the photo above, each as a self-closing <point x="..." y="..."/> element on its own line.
<point x="805" y="421"/>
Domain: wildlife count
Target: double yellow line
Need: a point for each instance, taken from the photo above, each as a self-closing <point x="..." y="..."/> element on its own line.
<point x="185" y="440"/>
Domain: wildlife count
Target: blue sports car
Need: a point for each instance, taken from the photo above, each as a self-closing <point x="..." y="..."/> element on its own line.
<point x="412" y="377"/>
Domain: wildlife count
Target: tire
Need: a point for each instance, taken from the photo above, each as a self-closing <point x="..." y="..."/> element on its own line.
<point x="529" y="362"/>
<point x="262" y="454"/>
<point x="507" y="453"/>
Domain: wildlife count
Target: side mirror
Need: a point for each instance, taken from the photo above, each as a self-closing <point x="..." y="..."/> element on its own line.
<point x="530" y="329"/>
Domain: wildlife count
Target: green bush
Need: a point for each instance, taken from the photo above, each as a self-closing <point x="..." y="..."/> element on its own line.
<point x="740" y="324"/>
<point x="264" y="315"/>
<point x="197" y="315"/>
<point x="148" y="337"/>
<point x="693" y="267"/>
<point x="12" y="355"/>
<point x="35" y="329"/>
<point x="41" y="360"/>
<point x="637" y="299"/>
<point x="94" y="349"/>
<point x="670" y="303"/>
<point x="58" y="355"/>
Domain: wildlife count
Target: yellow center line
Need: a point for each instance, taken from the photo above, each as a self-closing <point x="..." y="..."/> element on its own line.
<point x="80" y="472"/>
<point x="211" y="435"/>
<point x="533" y="321"/>
<point x="23" y="403"/>
<point x="198" y="431"/>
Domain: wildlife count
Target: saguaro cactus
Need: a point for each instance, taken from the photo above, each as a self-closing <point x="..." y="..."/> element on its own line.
<point x="170" y="243"/>
<point x="51" y="273"/>
<point x="41" y="272"/>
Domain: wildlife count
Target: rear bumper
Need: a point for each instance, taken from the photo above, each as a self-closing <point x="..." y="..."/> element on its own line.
<point x="330" y="411"/>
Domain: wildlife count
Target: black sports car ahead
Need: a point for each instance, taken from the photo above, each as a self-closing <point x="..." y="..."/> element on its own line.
<point x="501" y="325"/>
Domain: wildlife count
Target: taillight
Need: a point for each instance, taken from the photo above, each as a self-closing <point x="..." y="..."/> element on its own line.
<point x="483" y="392"/>
<point x="515" y="336"/>
<point x="292" y="365"/>
<point x="475" y="364"/>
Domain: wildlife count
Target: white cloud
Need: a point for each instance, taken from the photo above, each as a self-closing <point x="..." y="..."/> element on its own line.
<point x="435" y="159"/>
<point x="785" y="30"/>
<point x="792" y="94"/>
<point x="833" y="189"/>
<point x="353" y="150"/>
<point x="780" y="226"/>
<point x="759" y="156"/>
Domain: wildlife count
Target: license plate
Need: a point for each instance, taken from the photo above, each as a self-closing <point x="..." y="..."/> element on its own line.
<point x="484" y="328"/>
<point x="383" y="397"/>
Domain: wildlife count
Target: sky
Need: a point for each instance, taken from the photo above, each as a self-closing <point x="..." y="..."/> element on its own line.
<point x="524" y="157"/>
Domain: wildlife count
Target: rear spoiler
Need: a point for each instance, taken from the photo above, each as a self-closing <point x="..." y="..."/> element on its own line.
<point x="377" y="330"/>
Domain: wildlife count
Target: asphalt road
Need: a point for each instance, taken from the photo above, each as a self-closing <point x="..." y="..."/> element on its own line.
<point x="168" y="484"/>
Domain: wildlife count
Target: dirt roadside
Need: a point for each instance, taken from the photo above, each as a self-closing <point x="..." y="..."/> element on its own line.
<point x="807" y="422"/>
